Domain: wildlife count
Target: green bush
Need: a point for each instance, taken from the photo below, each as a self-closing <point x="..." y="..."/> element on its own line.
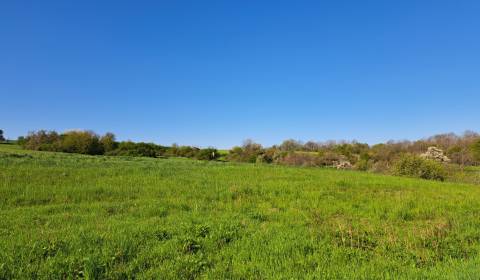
<point x="475" y="150"/>
<point x="363" y="165"/>
<point x="185" y="151"/>
<point x="249" y="152"/>
<point x="108" y="142"/>
<point x="81" y="142"/>
<point x="300" y="159"/>
<point x="42" y="140"/>
<point x="141" y="149"/>
<point x="415" y="166"/>
<point x="207" y="154"/>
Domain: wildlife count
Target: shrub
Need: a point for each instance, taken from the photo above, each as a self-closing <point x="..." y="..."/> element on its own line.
<point x="415" y="166"/>
<point x="108" y="142"/>
<point x="135" y="149"/>
<point x="363" y="165"/>
<point x="186" y="151"/>
<point x="249" y="152"/>
<point x="21" y="140"/>
<point x="475" y="149"/>
<point x="300" y="159"/>
<point x="235" y="154"/>
<point x="207" y="154"/>
<point x="42" y="140"/>
<point x="380" y="167"/>
<point x="81" y="142"/>
<point x="329" y="158"/>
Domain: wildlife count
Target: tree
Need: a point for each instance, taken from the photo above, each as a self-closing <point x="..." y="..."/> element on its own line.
<point x="43" y="140"/>
<point x="250" y="145"/>
<point x="247" y="153"/>
<point x="290" y="145"/>
<point x="108" y="142"/>
<point x="1" y="136"/>
<point x="81" y="142"/>
<point x="475" y="148"/>
<point x="207" y="154"/>
<point x="311" y="146"/>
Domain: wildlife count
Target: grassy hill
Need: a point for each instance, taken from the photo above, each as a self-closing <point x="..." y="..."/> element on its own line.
<point x="73" y="216"/>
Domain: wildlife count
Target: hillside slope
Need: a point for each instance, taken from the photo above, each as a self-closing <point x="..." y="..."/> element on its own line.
<point x="72" y="216"/>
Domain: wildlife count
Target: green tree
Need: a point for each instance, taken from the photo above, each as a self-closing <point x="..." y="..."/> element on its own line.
<point x="207" y="154"/>
<point x="475" y="149"/>
<point x="108" y="142"/>
<point x="1" y="136"/>
<point x="81" y="142"/>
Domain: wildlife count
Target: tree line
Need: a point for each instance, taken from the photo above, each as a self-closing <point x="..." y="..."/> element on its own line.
<point x="90" y="143"/>
<point x="405" y="158"/>
<point x="397" y="157"/>
<point x="461" y="149"/>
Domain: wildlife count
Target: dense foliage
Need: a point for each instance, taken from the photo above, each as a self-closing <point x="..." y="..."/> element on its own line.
<point x="382" y="158"/>
<point x="415" y="166"/>
<point x="88" y="142"/>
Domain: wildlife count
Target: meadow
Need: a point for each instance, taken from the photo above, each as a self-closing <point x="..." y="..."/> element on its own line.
<point x="67" y="216"/>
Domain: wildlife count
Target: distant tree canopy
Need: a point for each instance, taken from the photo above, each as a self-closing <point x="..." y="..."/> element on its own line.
<point x="90" y="143"/>
<point x="462" y="150"/>
<point x="2" y="138"/>
<point x="401" y="158"/>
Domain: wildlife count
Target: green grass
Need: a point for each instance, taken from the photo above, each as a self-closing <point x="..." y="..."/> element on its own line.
<point x="72" y="216"/>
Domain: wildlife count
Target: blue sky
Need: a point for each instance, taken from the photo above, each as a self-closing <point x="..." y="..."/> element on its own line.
<point x="212" y="73"/>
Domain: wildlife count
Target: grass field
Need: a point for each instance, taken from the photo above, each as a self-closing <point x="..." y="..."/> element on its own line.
<point x="73" y="216"/>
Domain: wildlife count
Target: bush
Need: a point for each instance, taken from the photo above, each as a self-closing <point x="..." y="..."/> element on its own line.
<point x="235" y="154"/>
<point x="415" y="166"/>
<point x="207" y="154"/>
<point x="363" y="165"/>
<point x="185" y="151"/>
<point x="136" y="149"/>
<point x="21" y="140"/>
<point x="380" y="167"/>
<point x="249" y="152"/>
<point x="108" y="142"/>
<point x="42" y="140"/>
<point x="300" y="159"/>
<point x="81" y="142"/>
<point x="475" y="150"/>
<point x="329" y="158"/>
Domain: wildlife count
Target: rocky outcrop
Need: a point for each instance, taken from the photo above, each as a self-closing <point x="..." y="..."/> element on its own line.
<point x="436" y="154"/>
<point x="343" y="164"/>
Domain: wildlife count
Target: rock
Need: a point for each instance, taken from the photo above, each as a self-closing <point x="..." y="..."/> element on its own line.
<point x="343" y="164"/>
<point x="436" y="154"/>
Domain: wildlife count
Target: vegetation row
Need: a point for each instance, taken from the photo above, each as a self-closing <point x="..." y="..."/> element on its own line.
<point x="441" y="157"/>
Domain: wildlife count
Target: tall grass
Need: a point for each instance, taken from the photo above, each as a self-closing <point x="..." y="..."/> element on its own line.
<point x="73" y="216"/>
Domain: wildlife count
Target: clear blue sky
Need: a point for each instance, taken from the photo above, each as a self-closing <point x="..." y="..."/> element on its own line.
<point x="217" y="72"/>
